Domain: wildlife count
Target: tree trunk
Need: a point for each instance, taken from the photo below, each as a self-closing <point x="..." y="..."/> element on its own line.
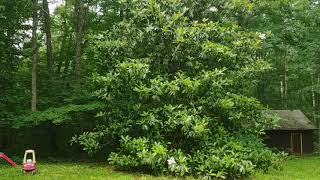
<point x="316" y="99"/>
<point x="61" y="55"/>
<point x="63" y="41"/>
<point x="314" y="110"/>
<point x="67" y="60"/>
<point x="281" y="93"/>
<point x="313" y="100"/>
<point x="79" y="37"/>
<point x="35" y="56"/>
<point x="47" y="21"/>
<point x="285" y="87"/>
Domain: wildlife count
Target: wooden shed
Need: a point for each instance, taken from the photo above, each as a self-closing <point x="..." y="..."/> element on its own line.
<point x="294" y="133"/>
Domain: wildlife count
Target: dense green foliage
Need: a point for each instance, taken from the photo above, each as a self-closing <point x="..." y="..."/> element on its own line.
<point x="170" y="86"/>
<point x="174" y="93"/>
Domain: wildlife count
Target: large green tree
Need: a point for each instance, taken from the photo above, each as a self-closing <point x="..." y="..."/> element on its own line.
<point x="173" y="77"/>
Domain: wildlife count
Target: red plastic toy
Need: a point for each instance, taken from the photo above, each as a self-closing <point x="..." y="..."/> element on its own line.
<point x="29" y="165"/>
<point x="3" y="156"/>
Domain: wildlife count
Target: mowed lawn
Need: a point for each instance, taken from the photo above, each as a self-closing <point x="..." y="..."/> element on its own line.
<point x="297" y="168"/>
<point x="72" y="171"/>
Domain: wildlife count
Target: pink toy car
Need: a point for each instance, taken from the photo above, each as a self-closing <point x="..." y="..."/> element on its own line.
<point x="29" y="165"/>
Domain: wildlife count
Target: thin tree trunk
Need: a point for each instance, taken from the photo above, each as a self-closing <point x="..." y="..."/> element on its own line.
<point x="67" y="60"/>
<point x="281" y="93"/>
<point x="79" y="37"/>
<point x="285" y="94"/>
<point x="47" y="21"/>
<point x="316" y="98"/>
<point x="35" y="56"/>
<point x="63" y="42"/>
<point x="61" y="55"/>
<point x="313" y="100"/>
<point x="314" y="109"/>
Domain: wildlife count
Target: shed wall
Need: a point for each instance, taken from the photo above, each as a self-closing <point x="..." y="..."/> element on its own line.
<point x="281" y="139"/>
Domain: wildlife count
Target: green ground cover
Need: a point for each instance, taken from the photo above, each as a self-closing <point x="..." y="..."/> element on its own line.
<point x="72" y="171"/>
<point x="296" y="168"/>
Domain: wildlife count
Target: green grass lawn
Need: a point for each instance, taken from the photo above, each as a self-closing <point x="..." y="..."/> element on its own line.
<point x="297" y="168"/>
<point x="72" y="171"/>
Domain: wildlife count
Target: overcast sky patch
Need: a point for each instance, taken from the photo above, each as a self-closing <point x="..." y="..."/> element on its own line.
<point x="53" y="4"/>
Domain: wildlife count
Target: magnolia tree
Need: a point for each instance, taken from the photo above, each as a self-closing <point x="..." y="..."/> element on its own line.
<point x="176" y="78"/>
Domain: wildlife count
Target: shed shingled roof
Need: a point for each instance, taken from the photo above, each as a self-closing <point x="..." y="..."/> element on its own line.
<point x="292" y="120"/>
